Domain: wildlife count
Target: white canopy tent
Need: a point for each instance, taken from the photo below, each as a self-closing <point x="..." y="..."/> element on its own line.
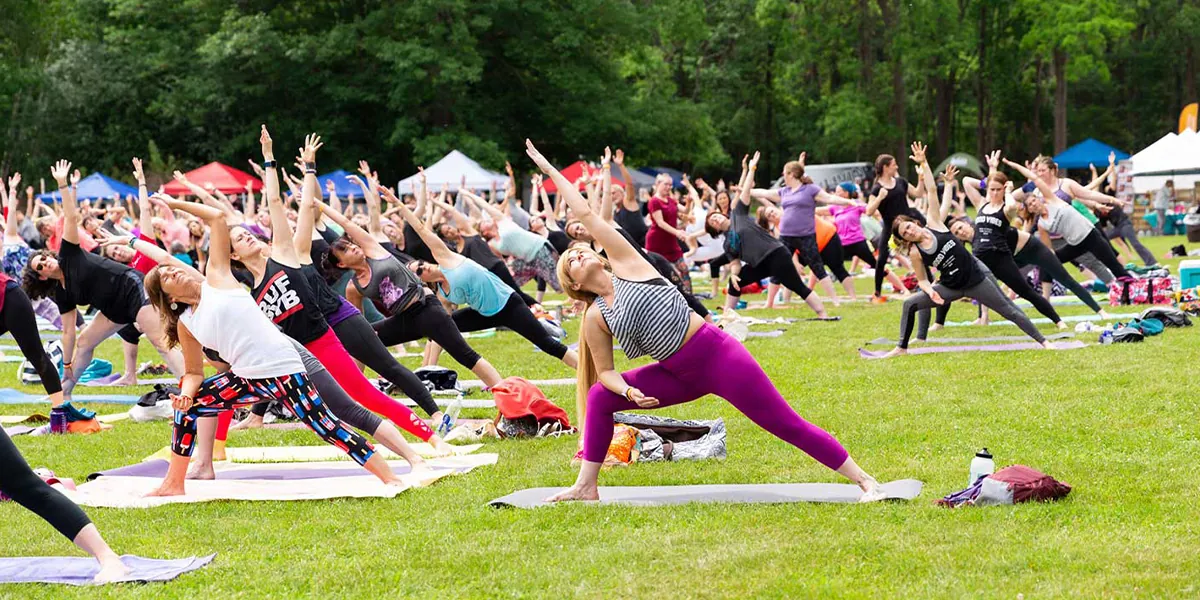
<point x="1174" y="157"/>
<point x="828" y="176"/>
<point x="450" y="171"/>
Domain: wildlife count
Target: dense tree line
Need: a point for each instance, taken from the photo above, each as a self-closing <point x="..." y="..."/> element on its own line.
<point x="690" y="83"/>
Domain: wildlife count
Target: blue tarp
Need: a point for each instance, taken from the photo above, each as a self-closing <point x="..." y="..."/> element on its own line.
<point x="1088" y="152"/>
<point x="344" y="188"/>
<point x="676" y="175"/>
<point x="96" y="186"/>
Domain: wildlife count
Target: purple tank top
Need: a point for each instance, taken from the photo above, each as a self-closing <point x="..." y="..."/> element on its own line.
<point x="799" y="205"/>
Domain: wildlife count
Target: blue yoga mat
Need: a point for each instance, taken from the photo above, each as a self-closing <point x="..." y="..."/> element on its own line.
<point x="11" y="396"/>
<point x="80" y="571"/>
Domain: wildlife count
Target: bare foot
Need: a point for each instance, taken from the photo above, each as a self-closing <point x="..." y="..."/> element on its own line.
<point x="111" y="569"/>
<point x="576" y="493"/>
<point x="167" y="490"/>
<point x="1048" y="345"/>
<point x="872" y="491"/>
<point x="1061" y="325"/>
<point x="896" y="352"/>
<point x="1104" y="315"/>
<point x="203" y="471"/>
<point x="126" y="380"/>
<point x="979" y="322"/>
<point x="935" y="327"/>
<point x="251" y="422"/>
<point x="441" y="448"/>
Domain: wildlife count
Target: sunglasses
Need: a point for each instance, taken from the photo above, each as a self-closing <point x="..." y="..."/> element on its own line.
<point x="39" y="266"/>
<point x="420" y="269"/>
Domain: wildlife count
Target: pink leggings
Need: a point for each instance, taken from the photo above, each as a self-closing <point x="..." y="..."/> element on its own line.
<point x="711" y="362"/>
<point x="329" y="350"/>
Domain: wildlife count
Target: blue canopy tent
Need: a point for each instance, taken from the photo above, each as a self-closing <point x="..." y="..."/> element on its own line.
<point x="676" y="175"/>
<point x="341" y="185"/>
<point x="1087" y="152"/>
<point x="96" y="186"/>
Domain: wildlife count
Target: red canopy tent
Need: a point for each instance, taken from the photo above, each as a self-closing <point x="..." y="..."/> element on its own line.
<point x="225" y="178"/>
<point x="574" y="172"/>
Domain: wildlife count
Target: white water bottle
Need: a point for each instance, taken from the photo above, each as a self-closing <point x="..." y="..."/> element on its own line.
<point x="981" y="466"/>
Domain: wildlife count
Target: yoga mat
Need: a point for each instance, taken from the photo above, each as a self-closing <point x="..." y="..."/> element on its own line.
<point x="18" y="430"/>
<point x="443" y="401"/>
<point x="765" y="334"/>
<point x="286" y="454"/>
<point x="76" y="570"/>
<point x="1063" y="301"/>
<point x="475" y="383"/>
<point x="11" y="396"/>
<point x="108" y="380"/>
<point x="116" y="491"/>
<point x="9" y="348"/>
<point x="1045" y="321"/>
<point x="1072" y="345"/>
<point x="8" y="358"/>
<point x="157" y="468"/>
<point x="14" y="419"/>
<point x="761" y="493"/>
<point x="953" y="340"/>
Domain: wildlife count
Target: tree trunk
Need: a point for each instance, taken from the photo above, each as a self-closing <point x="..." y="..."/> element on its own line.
<point x="943" y="102"/>
<point x="1035" y="134"/>
<point x="1060" y="100"/>
<point x="866" y="56"/>
<point x="890" y="10"/>
<point x="1190" y="93"/>
<point x="981" y="90"/>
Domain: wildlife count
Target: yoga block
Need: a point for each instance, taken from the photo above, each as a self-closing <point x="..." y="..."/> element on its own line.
<point x="1189" y="274"/>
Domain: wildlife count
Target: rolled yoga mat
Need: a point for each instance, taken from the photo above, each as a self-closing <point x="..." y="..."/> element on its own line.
<point x="76" y="570"/>
<point x="953" y="340"/>
<point x="922" y="349"/>
<point x="759" y="493"/>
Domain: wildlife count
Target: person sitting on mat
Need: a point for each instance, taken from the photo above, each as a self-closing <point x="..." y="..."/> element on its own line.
<point x="647" y="315"/>
<point x="960" y="274"/>
<point x="215" y="311"/>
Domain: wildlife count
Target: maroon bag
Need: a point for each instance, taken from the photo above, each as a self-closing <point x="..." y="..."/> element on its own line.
<point x="1028" y="485"/>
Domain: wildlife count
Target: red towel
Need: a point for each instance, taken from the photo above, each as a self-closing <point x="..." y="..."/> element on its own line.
<point x="517" y="397"/>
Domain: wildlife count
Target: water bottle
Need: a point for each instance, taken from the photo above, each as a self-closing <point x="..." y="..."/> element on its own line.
<point x="450" y="416"/>
<point x="981" y="466"/>
<point x="58" y="420"/>
<point x="1106" y="336"/>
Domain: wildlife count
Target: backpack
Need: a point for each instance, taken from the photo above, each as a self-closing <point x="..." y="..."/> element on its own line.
<point x="1010" y="485"/>
<point x="1127" y="335"/>
<point x="160" y="393"/>
<point x="1170" y="317"/>
<point x="29" y="375"/>
<point x="1148" y="327"/>
<point x="438" y="379"/>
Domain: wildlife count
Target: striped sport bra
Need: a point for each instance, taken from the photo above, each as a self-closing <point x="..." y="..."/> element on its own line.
<point x="647" y="317"/>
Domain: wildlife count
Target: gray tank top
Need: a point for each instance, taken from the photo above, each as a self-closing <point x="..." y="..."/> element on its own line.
<point x="647" y="317"/>
<point x="1064" y="220"/>
<point x="392" y="286"/>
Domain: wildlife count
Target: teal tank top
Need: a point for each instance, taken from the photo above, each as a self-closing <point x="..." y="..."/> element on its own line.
<point x="476" y="287"/>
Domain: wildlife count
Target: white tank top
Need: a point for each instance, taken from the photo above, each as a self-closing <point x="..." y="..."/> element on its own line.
<point x="229" y="321"/>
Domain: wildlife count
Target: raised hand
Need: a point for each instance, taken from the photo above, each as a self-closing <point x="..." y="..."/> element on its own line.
<point x="14" y="181"/>
<point x="745" y="158"/>
<point x="137" y="171"/>
<point x="355" y="180"/>
<point x="802" y="159"/>
<point x="607" y="158"/>
<point x="951" y="174"/>
<point x="993" y="160"/>
<point x="754" y="160"/>
<point x="75" y="177"/>
<point x="421" y="175"/>
<point x="268" y="146"/>
<point x="537" y="157"/>
<point x="508" y="168"/>
<point x="61" y="171"/>
<point x="258" y="170"/>
<point x="619" y="157"/>
<point x="312" y="143"/>
<point x="330" y="187"/>
<point x="918" y="153"/>
<point x="181" y="178"/>
<point x="1112" y="158"/>
<point x="364" y="168"/>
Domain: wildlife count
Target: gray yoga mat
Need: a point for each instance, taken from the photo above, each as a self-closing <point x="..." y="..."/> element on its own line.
<point x="758" y="493"/>
<point x="954" y="340"/>
<point x="80" y="571"/>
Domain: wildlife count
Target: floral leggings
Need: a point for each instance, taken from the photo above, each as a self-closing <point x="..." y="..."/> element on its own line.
<point x="225" y="391"/>
<point x="543" y="267"/>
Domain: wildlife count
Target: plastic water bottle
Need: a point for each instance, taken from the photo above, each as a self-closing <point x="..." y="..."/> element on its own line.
<point x="1106" y="336"/>
<point x="450" y="416"/>
<point x="981" y="466"/>
<point x="58" y="420"/>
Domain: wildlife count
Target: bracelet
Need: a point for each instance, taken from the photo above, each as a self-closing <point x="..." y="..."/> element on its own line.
<point x="310" y="166"/>
<point x="132" y="241"/>
<point x="628" y="388"/>
<point x="269" y="164"/>
<point x="308" y="171"/>
<point x="67" y="365"/>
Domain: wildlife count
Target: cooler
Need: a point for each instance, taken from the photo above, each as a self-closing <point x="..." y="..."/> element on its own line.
<point x="1189" y="274"/>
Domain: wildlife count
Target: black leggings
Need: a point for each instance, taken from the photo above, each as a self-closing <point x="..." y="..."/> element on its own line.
<point x="777" y="264"/>
<point x="986" y="292"/>
<point x="835" y="258"/>
<point x="515" y="316"/>
<point x="860" y="249"/>
<point x="501" y="270"/>
<point x="427" y="319"/>
<point x="714" y="265"/>
<point x="17" y="318"/>
<point x="1098" y="246"/>
<point x="361" y="342"/>
<point x="1051" y="269"/>
<point x="18" y="481"/>
<point x="805" y="246"/>
<point x="667" y="269"/>
<point x="1005" y="269"/>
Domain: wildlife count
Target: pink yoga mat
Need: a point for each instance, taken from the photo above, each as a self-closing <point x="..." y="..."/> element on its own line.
<point x="1072" y="345"/>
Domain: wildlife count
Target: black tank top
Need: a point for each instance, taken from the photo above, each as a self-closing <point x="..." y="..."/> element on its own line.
<point x="327" y="300"/>
<point x="956" y="267"/>
<point x="285" y="297"/>
<point x="895" y="203"/>
<point x="991" y="232"/>
<point x="476" y="249"/>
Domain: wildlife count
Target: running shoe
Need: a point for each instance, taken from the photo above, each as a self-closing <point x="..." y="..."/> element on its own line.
<point x="879" y="299"/>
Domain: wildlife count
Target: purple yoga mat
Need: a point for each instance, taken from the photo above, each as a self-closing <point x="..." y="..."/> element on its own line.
<point x="157" y="468"/>
<point x="80" y="571"/>
<point x="19" y="430"/>
<point x="988" y="348"/>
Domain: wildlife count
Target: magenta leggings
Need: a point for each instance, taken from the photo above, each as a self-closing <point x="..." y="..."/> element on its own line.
<point x="329" y="350"/>
<point x="711" y="362"/>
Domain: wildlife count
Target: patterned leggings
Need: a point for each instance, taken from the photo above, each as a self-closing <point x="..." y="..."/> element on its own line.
<point x="543" y="267"/>
<point x="225" y="391"/>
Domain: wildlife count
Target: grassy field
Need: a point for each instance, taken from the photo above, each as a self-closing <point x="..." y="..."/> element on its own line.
<point x="1118" y="423"/>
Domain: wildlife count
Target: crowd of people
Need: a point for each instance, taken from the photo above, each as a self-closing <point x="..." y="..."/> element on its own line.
<point x="289" y="296"/>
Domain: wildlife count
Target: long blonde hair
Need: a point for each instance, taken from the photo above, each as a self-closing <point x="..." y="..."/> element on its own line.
<point x="586" y="374"/>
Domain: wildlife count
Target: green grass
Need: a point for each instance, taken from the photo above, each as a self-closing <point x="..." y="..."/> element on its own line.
<point x="1119" y="423"/>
